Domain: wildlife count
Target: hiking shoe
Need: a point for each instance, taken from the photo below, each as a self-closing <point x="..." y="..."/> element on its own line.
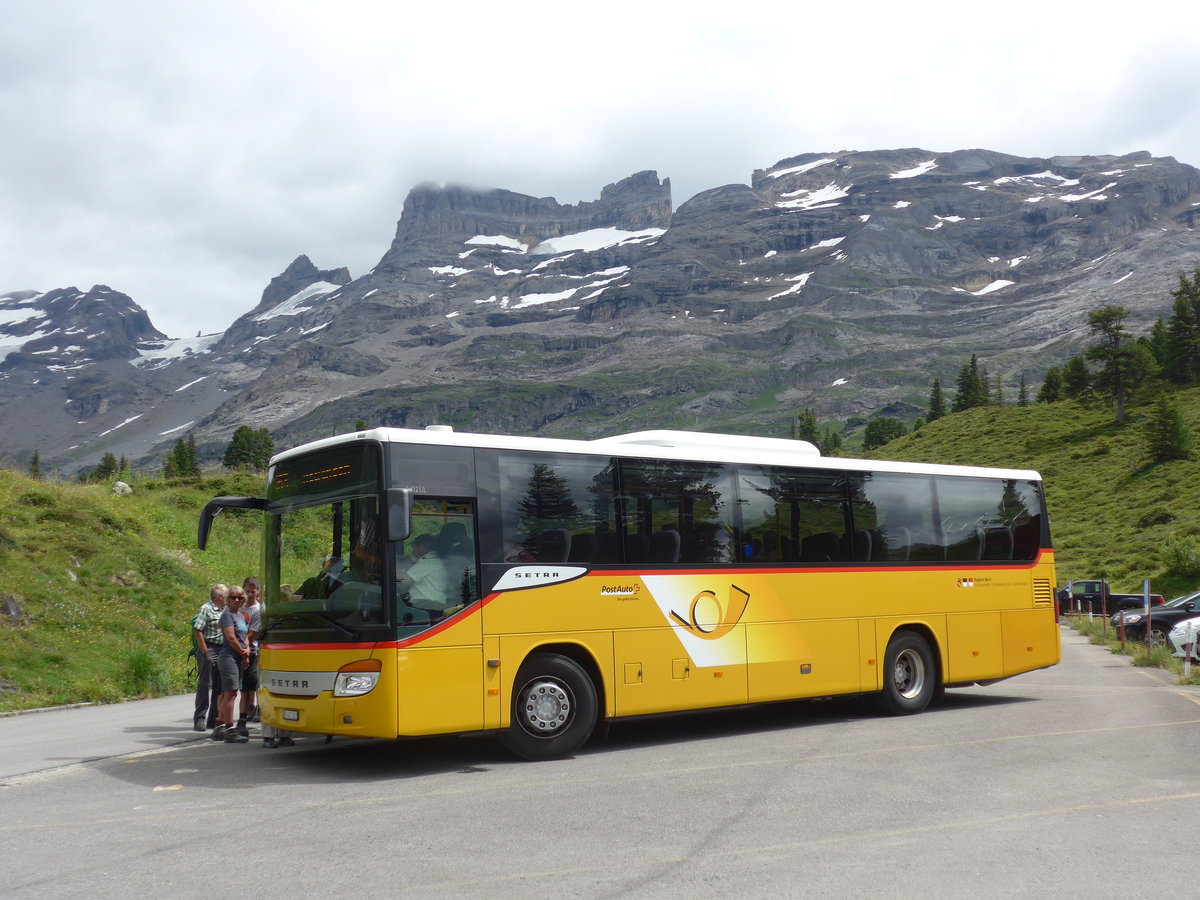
<point x="270" y="743"/>
<point x="286" y="741"/>
<point x="198" y="723"/>
<point x="242" y="729"/>
<point x="218" y="733"/>
<point x="232" y="737"/>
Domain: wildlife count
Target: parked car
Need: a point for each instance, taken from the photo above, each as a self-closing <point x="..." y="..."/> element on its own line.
<point x="1162" y="619"/>
<point x="1174" y="603"/>
<point x="1185" y="632"/>
<point x="1094" y="596"/>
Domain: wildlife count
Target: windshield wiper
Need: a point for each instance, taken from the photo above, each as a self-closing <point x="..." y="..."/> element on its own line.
<point x="329" y="617"/>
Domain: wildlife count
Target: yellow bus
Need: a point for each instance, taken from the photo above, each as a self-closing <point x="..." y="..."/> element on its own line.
<point x="435" y="582"/>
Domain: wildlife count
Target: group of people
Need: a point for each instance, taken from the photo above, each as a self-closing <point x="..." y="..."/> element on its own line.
<point x="226" y="633"/>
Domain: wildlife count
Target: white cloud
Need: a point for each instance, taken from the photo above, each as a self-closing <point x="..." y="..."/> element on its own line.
<point x="185" y="154"/>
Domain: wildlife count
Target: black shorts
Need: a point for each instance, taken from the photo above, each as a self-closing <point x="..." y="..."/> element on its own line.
<point x="250" y="673"/>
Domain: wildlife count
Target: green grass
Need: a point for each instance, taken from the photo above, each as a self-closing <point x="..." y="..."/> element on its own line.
<point x="107" y="585"/>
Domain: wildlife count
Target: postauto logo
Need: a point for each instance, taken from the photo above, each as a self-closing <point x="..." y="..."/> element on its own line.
<point x="709" y="617"/>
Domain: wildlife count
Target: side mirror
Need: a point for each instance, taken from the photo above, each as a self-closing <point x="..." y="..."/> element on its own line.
<point x="399" y="513"/>
<point x="213" y="509"/>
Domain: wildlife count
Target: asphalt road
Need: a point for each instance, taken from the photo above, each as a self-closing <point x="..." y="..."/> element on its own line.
<point x="1078" y="781"/>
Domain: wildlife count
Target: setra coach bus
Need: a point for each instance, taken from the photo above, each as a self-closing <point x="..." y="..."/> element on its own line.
<point x="435" y="582"/>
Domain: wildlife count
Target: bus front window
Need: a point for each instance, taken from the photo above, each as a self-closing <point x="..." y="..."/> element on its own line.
<point x="330" y="573"/>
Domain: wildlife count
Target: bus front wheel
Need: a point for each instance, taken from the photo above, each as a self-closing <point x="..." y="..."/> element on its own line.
<point x="910" y="675"/>
<point x="554" y="708"/>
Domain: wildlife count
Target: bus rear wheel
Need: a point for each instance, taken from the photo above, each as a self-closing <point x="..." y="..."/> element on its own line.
<point x="554" y="708"/>
<point x="910" y="675"/>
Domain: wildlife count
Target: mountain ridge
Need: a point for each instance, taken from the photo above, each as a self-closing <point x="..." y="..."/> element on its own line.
<point x="839" y="281"/>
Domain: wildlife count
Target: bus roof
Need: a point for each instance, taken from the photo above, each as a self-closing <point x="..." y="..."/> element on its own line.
<point x="681" y="445"/>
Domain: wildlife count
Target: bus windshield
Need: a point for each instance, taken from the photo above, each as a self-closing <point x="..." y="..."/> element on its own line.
<point x="327" y="579"/>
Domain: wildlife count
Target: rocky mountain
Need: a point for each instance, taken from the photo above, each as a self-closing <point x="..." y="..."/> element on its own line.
<point x="839" y="281"/>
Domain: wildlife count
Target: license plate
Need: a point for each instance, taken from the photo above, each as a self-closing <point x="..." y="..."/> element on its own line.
<point x="291" y="715"/>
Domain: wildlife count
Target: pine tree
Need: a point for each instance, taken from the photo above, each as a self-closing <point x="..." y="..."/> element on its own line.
<point x="998" y="394"/>
<point x="1157" y="342"/>
<point x="263" y="449"/>
<point x="1051" y="390"/>
<point x="1022" y="393"/>
<point x="881" y="430"/>
<point x="548" y="503"/>
<point x="193" y="458"/>
<point x="1076" y="379"/>
<point x="107" y="467"/>
<point x="35" y="465"/>
<point x="807" y="428"/>
<point x="1167" y="435"/>
<point x="177" y="452"/>
<point x="937" y="402"/>
<point x="1124" y="364"/>
<point x="239" y="452"/>
<point x="971" y="388"/>
<point x="831" y="443"/>
<point x="1181" y="364"/>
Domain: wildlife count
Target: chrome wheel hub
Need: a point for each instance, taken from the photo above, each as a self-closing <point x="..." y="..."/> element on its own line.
<point x="545" y="707"/>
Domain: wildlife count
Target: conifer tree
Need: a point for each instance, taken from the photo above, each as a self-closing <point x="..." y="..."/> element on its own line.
<point x="807" y="428"/>
<point x="998" y="394"/>
<point x="35" y="465"/>
<point x="1157" y="342"/>
<point x="937" y="402"/>
<point x="1051" y="390"/>
<point x="1123" y="363"/>
<point x="1076" y="379"/>
<point x="831" y="443"/>
<point x="1167" y="435"/>
<point x="881" y="430"/>
<point x="193" y="458"/>
<point x="264" y="448"/>
<point x="107" y="467"/>
<point x="239" y="452"/>
<point x="1181" y="362"/>
<point x="175" y="465"/>
<point x="1022" y="393"/>
<point x="971" y="388"/>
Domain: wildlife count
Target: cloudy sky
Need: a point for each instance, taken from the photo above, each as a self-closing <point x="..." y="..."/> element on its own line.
<point x="185" y="152"/>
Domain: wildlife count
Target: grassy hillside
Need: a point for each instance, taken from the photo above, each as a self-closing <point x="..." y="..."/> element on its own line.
<point x="103" y="587"/>
<point x="107" y="584"/>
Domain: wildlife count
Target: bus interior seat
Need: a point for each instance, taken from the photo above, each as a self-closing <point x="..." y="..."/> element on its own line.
<point x="822" y="547"/>
<point x="998" y="542"/>
<point x="964" y="543"/>
<point x="554" y="545"/>
<point x="637" y="547"/>
<point x="583" y="548"/>
<point x="665" y="545"/>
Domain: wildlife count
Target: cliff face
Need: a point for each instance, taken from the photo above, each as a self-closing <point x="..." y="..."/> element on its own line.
<point x="839" y="281"/>
<point x="432" y="213"/>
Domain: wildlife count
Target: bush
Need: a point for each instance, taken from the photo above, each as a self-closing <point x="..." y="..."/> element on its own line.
<point x="1181" y="556"/>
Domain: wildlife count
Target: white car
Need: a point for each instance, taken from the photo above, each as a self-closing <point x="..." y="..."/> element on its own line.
<point x="1187" y="631"/>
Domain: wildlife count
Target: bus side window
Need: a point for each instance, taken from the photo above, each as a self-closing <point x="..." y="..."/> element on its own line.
<point x="557" y="508"/>
<point x="676" y="511"/>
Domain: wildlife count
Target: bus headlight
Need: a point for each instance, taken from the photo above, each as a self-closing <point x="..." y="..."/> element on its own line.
<point x="357" y="678"/>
